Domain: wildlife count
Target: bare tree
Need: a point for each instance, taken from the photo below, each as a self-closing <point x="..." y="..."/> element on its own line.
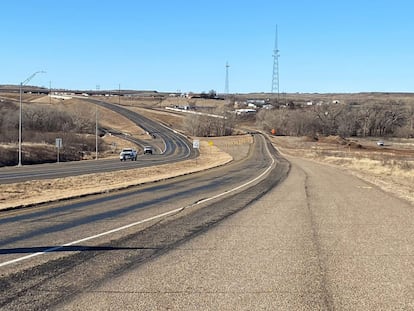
<point x="328" y="116"/>
<point x="218" y="124"/>
<point x="380" y="119"/>
<point x="274" y="120"/>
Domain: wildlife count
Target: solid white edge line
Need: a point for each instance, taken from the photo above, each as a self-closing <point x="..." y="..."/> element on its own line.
<point x="52" y="249"/>
<point x="245" y="184"/>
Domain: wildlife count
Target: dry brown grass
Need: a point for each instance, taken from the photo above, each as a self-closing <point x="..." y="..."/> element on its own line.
<point x="106" y="117"/>
<point x="392" y="169"/>
<point x="39" y="191"/>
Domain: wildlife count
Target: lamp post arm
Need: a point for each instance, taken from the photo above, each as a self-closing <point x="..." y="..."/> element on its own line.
<point x="31" y="77"/>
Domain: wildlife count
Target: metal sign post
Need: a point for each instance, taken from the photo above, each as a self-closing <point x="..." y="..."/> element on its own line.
<point x="58" y="146"/>
<point x="196" y="145"/>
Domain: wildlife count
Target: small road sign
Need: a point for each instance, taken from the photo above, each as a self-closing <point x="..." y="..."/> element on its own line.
<point x="196" y="144"/>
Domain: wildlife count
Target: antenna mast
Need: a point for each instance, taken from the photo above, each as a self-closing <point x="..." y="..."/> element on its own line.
<point x="226" y="86"/>
<point x="275" y="76"/>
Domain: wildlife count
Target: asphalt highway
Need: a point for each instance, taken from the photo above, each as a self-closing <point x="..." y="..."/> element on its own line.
<point x="54" y="252"/>
<point x="176" y="148"/>
<point x="321" y="240"/>
<point x="259" y="234"/>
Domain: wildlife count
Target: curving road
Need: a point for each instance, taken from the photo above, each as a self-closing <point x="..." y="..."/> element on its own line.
<point x="44" y="251"/>
<point x="176" y="148"/>
<point x="173" y="142"/>
<point x="321" y="240"/>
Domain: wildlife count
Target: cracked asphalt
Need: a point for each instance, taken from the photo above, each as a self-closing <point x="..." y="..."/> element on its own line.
<point x="321" y="240"/>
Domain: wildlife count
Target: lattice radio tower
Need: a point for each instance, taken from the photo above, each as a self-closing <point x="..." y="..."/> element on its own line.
<point x="275" y="76"/>
<point x="226" y="85"/>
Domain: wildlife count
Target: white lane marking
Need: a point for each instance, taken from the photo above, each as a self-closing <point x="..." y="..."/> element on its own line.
<point x="52" y="249"/>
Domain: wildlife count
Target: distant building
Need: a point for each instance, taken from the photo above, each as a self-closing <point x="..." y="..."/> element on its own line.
<point x="251" y="105"/>
<point x="257" y="102"/>
<point x="240" y="112"/>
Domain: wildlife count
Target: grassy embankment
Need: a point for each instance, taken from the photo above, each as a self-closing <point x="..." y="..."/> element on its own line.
<point x="391" y="168"/>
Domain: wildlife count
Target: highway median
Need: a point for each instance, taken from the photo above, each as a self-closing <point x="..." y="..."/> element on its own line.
<point x="31" y="193"/>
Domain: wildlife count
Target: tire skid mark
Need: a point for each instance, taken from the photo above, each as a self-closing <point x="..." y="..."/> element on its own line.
<point x="326" y="294"/>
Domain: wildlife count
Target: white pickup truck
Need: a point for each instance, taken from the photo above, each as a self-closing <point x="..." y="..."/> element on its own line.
<point x="128" y="154"/>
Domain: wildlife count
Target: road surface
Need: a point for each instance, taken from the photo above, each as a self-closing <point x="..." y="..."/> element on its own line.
<point x="322" y="240"/>
<point x="46" y="249"/>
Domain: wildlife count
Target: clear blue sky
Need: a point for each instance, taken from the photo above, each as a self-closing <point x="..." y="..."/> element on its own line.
<point x="165" y="45"/>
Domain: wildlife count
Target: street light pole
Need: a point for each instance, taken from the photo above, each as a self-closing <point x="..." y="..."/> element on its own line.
<point x="20" y="127"/>
<point x="20" y="113"/>
<point x="96" y="131"/>
<point x="96" y="124"/>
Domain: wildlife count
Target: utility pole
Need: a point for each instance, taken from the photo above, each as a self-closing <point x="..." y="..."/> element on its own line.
<point x="20" y="114"/>
<point x="275" y="75"/>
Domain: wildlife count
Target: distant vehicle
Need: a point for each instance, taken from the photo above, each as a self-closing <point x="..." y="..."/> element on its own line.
<point x="148" y="150"/>
<point x="380" y="143"/>
<point x="128" y="154"/>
